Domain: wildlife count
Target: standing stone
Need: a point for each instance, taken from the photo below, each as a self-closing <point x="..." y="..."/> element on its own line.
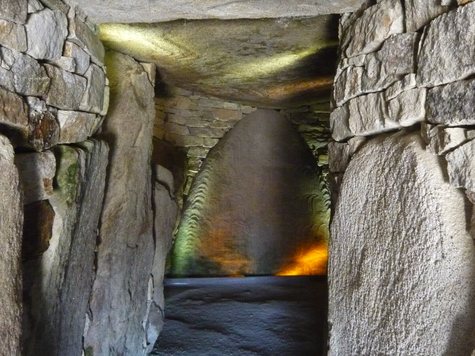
<point x="118" y="304"/>
<point x="402" y="264"/>
<point x="58" y="282"/>
<point x="66" y="89"/>
<point x="46" y="31"/>
<point x="37" y="170"/>
<point x="447" y="50"/>
<point x="11" y="223"/>
<point x="256" y="205"/>
<point x="165" y="215"/>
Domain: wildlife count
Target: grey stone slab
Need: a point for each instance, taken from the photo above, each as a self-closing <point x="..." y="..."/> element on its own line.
<point x="66" y="89"/>
<point x="419" y="13"/>
<point x="452" y="104"/>
<point x="118" y="302"/>
<point x="13" y="35"/>
<point x="34" y="6"/>
<point x="375" y="25"/>
<point x="15" y="11"/>
<point x="77" y="126"/>
<point x="11" y="225"/>
<point x="447" y="51"/>
<point x="13" y="110"/>
<point x="37" y="171"/>
<point x="46" y="32"/>
<point x="400" y="245"/>
<point x="339" y="123"/>
<point x="408" y="107"/>
<point x="80" y="56"/>
<point x="85" y="38"/>
<point x="93" y="99"/>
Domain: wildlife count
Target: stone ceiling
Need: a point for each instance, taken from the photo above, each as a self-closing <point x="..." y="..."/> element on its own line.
<point x="272" y="53"/>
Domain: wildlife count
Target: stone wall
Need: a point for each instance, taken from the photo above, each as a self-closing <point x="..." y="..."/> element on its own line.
<point x="402" y="254"/>
<point x="63" y="265"/>
<point x="195" y="123"/>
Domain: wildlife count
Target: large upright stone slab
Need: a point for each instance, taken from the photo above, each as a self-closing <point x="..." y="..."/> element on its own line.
<point x="447" y="50"/>
<point x="402" y="264"/>
<point x="256" y="207"/>
<point x="58" y="282"/>
<point x="118" y="304"/>
<point x="11" y="223"/>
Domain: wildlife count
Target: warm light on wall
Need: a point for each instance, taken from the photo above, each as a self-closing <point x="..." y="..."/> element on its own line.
<point x="312" y="262"/>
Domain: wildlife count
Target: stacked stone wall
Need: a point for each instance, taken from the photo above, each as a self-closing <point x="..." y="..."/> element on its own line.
<point x="403" y="105"/>
<point x="196" y="123"/>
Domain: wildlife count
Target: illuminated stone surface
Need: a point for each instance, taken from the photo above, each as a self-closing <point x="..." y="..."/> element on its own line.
<point x="256" y="207"/>
<point x="11" y="210"/>
<point x="402" y="264"/>
<point x="265" y="63"/>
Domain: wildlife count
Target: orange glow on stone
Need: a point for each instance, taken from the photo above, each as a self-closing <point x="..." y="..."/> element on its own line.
<point x="312" y="262"/>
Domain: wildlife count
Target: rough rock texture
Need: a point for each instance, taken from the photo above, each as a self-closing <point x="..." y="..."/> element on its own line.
<point x="46" y="32"/>
<point x="37" y="171"/>
<point x="452" y="104"/>
<point x="81" y="58"/>
<point x="14" y="10"/>
<point x="165" y="216"/>
<point x="58" y="282"/>
<point x="13" y="110"/>
<point x="461" y="166"/>
<point x="101" y="11"/>
<point x="76" y="126"/>
<point x="81" y="34"/>
<point x="93" y="99"/>
<point x="11" y="223"/>
<point x="420" y="12"/>
<point x="118" y="303"/>
<point x="401" y="284"/>
<point x="257" y="205"/>
<point x="446" y="55"/>
<point x="374" y="26"/>
<point x="66" y="90"/>
<point x="441" y="139"/>
<point x="13" y="35"/>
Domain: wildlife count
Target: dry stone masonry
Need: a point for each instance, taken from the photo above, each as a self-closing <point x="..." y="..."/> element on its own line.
<point x="401" y="252"/>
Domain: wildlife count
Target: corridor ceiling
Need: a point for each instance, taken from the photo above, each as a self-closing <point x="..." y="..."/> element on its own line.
<point x="266" y="53"/>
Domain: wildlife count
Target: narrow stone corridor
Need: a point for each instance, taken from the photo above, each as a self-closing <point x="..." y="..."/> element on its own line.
<point x="248" y="316"/>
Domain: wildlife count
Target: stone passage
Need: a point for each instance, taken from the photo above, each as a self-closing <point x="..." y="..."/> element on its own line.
<point x="257" y="207"/>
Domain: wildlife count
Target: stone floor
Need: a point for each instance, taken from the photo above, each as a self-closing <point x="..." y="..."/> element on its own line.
<point x="248" y="316"/>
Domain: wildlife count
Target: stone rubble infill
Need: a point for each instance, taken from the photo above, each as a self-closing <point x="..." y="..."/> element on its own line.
<point x="46" y="32"/>
<point x="447" y="50"/>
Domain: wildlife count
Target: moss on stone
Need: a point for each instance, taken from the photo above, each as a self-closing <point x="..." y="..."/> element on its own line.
<point x="68" y="173"/>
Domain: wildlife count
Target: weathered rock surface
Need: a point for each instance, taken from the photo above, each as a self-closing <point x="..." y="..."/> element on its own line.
<point x="375" y="25"/>
<point x="84" y="37"/>
<point x="452" y="104"/>
<point x="13" y="110"/>
<point x="77" y="126"/>
<point x="14" y="10"/>
<point x="441" y="139"/>
<point x="58" y="282"/>
<point x="165" y="216"/>
<point x="80" y="56"/>
<point x="256" y="205"/>
<point x="29" y="77"/>
<point x="118" y="303"/>
<point x="461" y="166"/>
<point x="37" y="228"/>
<point x="406" y="83"/>
<point x="419" y="13"/>
<point x="414" y="264"/>
<point x="408" y="107"/>
<point x="13" y="35"/>
<point x="34" y="6"/>
<point x="43" y="127"/>
<point x="446" y="55"/>
<point x="46" y="32"/>
<point x="11" y="223"/>
<point x="93" y="99"/>
<point x="36" y="172"/>
<point x="66" y="89"/>
<point x="339" y="123"/>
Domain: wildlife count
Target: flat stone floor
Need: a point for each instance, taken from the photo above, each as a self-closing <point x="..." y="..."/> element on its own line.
<point x="265" y="316"/>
